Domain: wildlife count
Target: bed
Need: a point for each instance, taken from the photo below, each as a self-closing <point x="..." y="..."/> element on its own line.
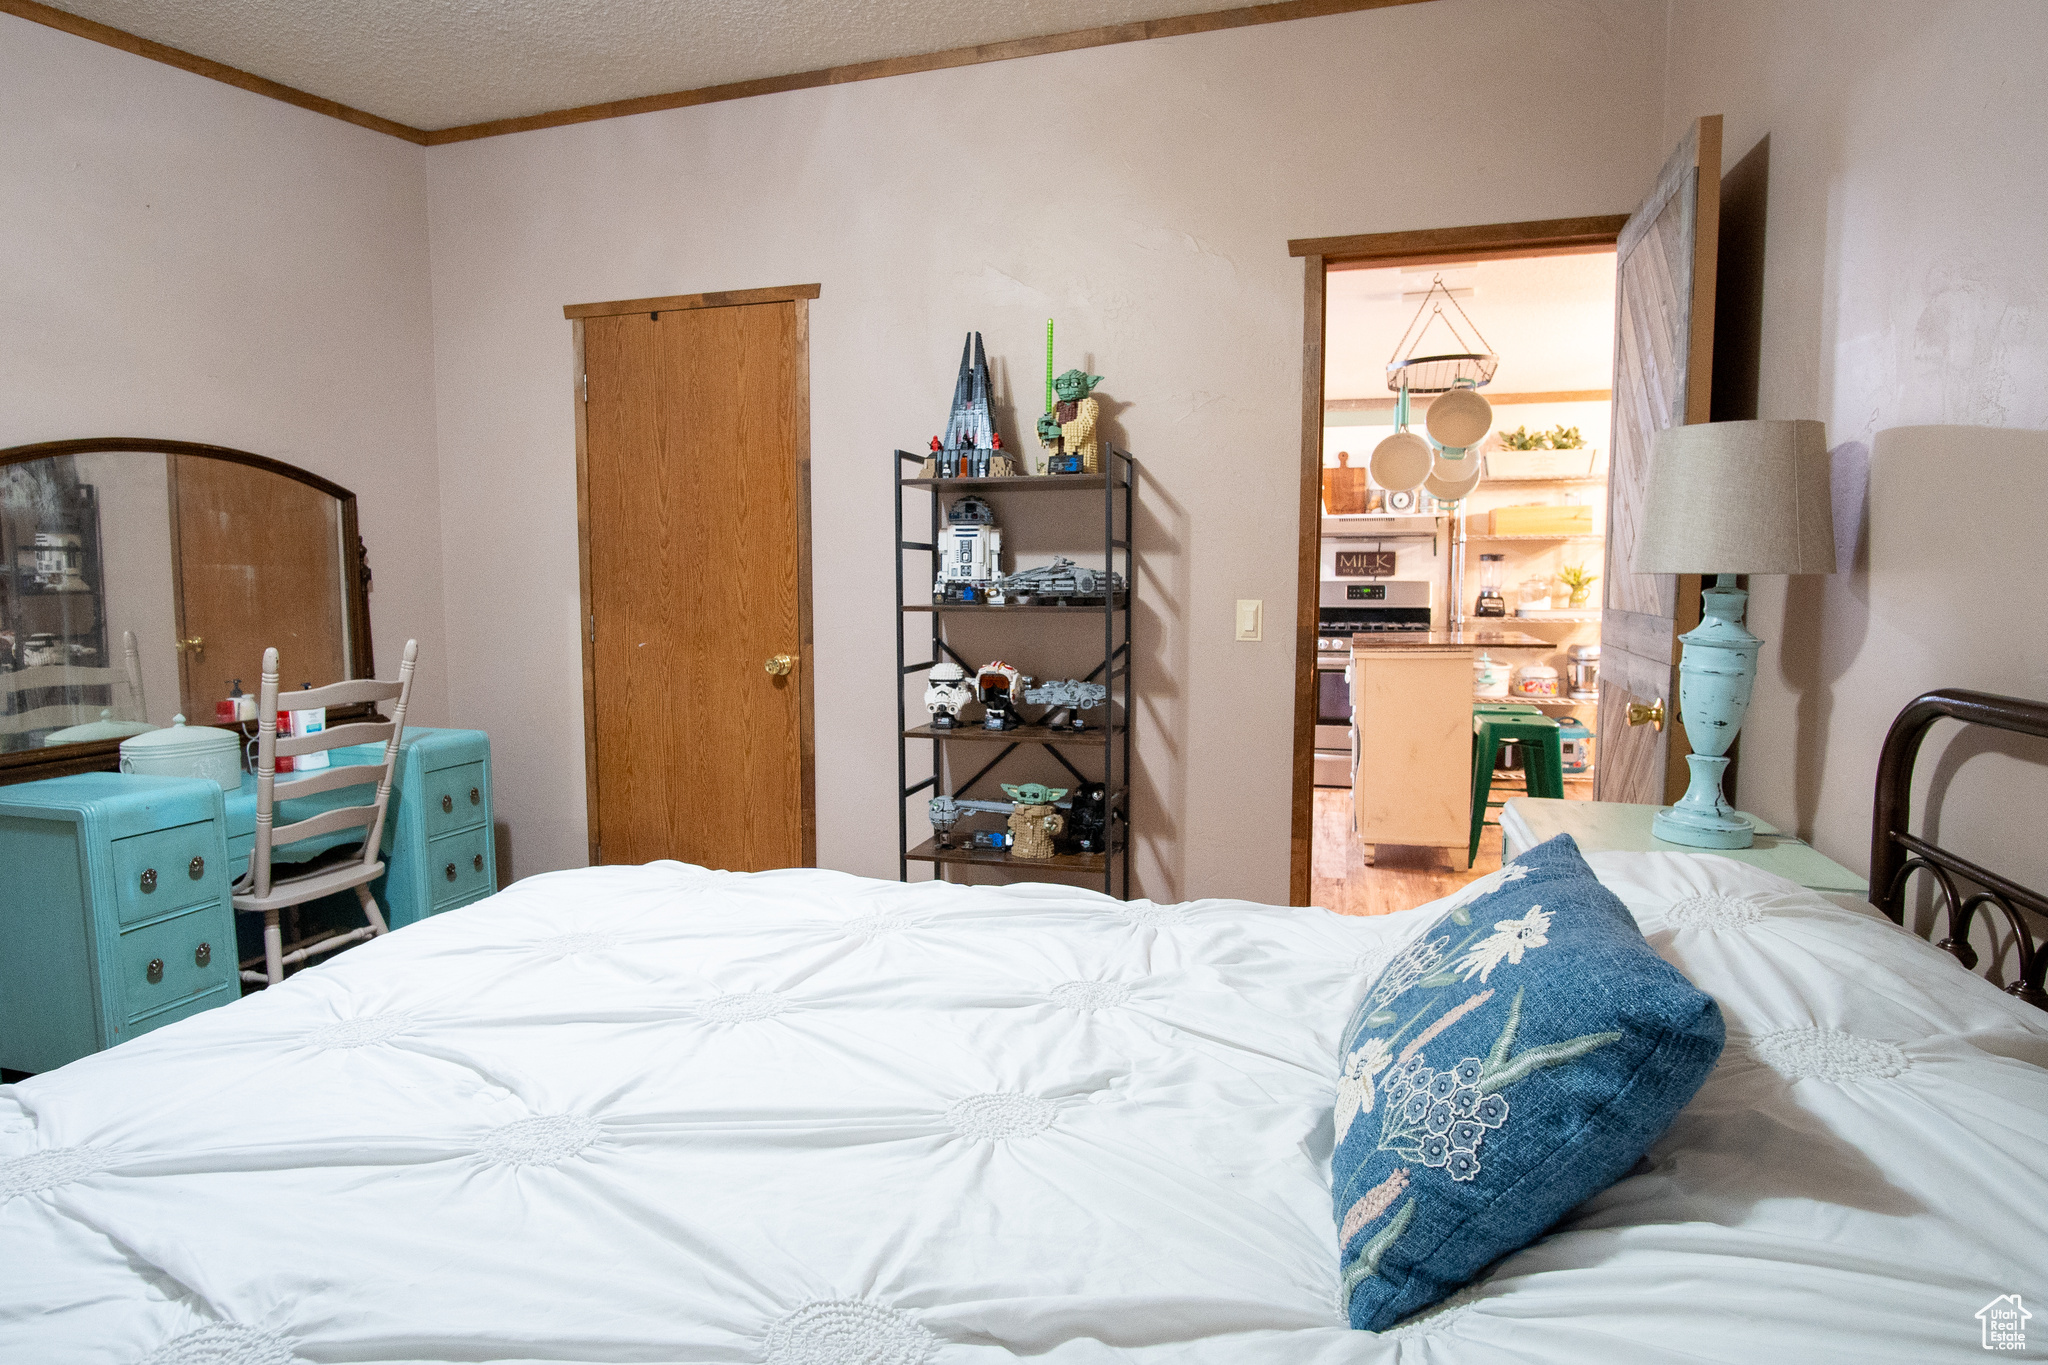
<point x="663" y="1113"/>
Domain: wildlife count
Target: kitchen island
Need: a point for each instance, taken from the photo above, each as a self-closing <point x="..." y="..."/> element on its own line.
<point x="1468" y="638"/>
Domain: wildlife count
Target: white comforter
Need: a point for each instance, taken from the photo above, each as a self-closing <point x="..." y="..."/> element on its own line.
<point x="665" y="1114"/>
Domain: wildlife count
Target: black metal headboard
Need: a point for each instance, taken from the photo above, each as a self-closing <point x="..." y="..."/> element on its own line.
<point x="1896" y="854"/>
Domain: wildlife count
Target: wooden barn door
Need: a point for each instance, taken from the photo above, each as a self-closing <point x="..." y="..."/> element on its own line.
<point x="1663" y="374"/>
<point x="694" y="489"/>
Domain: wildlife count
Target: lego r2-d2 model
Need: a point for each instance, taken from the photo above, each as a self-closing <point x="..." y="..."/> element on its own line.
<point x="973" y="549"/>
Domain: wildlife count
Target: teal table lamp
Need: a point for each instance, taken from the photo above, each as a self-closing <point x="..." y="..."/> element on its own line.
<point x="1729" y="498"/>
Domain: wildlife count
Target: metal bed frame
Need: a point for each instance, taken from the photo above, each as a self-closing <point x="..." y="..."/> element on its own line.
<point x="1896" y="853"/>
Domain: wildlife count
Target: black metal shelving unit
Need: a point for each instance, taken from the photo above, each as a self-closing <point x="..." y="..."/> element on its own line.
<point x="1109" y="741"/>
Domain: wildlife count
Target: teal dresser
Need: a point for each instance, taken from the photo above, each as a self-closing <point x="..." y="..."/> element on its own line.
<point x="114" y="911"/>
<point x="438" y="848"/>
<point x="114" y="890"/>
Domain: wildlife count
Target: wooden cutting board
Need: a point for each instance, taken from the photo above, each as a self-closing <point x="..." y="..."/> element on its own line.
<point x="1344" y="488"/>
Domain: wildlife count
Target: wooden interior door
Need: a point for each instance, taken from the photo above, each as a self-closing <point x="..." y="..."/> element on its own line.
<point x="695" y="491"/>
<point x="257" y="562"/>
<point x="1663" y="376"/>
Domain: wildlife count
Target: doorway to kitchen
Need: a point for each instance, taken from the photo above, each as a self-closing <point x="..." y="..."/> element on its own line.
<point x="1462" y="565"/>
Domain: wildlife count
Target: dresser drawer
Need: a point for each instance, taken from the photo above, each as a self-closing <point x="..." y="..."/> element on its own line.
<point x="459" y="866"/>
<point x="456" y="799"/>
<point x="155" y="874"/>
<point x="184" y="1009"/>
<point x="186" y="956"/>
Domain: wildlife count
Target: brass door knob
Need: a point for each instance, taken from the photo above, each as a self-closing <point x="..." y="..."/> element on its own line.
<point x="197" y="644"/>
<point x="1653" y="715"/>
<point x="202" y="955"/>
<point x="155" y="973"/>
<point x="780" y="664"/>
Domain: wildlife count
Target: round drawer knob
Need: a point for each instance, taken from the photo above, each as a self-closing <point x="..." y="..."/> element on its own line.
<point x="148" y="880"/>
<point x="451" y="872"/>
<point x="479" y="861"/>
<point x="155" y="971"/>
<point x="202" y="955"/>
<point x="475" y="797"/>
<point x="196" y="869"/>
<point x="447" y="804"/>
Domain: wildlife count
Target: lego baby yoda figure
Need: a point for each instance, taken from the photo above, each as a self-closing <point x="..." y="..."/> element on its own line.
<point x="1035" y="821"/>
<point x="1069" y="429"/>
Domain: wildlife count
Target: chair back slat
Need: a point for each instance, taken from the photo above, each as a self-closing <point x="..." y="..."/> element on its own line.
<point x="269" y="747"/>
<point x="349" y="693"/>
<point x="327" y="779"/>
<point x="338" y="737"/>
<point x="326" y="822"/>
<point x="60" y="675"/>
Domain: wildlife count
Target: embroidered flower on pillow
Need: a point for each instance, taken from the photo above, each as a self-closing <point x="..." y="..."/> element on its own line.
<point x="1354" y="1087"/>
<point x="1509" y="940"/>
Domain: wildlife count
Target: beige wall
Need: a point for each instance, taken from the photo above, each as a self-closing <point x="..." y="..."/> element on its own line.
<point x="1142" y="195"/>
<point x="1904" y="292"/>
<point x="190" y="261"/>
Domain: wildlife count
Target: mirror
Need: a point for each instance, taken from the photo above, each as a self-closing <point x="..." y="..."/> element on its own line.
<point x="141" y="580"/>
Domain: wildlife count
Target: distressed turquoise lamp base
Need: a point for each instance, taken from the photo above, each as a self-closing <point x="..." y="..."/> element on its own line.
<point x="1715" y="675"/>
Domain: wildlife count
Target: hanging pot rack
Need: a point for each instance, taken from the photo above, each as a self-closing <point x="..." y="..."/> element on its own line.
<point x="1472" y="366"/>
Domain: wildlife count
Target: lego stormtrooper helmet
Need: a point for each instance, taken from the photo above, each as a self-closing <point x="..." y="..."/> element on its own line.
<point x="946" y="692"/>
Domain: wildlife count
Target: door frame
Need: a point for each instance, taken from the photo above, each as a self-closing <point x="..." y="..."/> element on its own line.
<point x="800" y="403"/>
<point x="1429" y="246"/>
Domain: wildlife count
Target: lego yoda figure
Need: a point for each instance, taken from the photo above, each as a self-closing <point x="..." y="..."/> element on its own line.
<point x="1034" y="820"/>
<point x="1069" y="429"/>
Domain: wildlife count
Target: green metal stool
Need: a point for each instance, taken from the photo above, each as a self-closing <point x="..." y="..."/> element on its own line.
<point x="1543" y="760"/>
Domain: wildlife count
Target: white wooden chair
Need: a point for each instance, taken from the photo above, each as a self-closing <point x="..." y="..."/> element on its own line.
<point x="258" y="892"/>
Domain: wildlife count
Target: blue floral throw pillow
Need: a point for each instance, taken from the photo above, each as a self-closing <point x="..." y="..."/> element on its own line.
<point x="1513" y="1061"/>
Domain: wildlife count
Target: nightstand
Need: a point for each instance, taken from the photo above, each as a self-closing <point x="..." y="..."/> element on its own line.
<point x="1614" y="826"/>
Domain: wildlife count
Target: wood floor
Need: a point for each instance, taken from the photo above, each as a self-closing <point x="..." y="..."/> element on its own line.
<point x="1400" y="877"/>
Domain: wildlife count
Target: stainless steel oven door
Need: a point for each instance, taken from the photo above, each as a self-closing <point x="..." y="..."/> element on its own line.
<point x="1333" y="720"/>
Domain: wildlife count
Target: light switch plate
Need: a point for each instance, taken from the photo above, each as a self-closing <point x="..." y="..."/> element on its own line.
<point x="1250" y="611"/>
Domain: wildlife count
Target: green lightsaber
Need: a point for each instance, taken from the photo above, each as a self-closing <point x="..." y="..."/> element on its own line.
<point x="1048" y="365"/>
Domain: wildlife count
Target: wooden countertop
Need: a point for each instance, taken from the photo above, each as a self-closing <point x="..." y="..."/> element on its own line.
<point x="1368" y="642"/>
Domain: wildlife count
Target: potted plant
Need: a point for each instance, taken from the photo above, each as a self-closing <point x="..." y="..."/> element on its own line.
<point x="1575" y="577"/>
<point x="1526" y="454"/>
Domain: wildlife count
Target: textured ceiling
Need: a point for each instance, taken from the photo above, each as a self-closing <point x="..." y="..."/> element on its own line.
<point x="442" y="63"/>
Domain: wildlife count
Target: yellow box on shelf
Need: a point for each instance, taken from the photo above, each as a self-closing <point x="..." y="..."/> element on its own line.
<point x="1567" y="520"/>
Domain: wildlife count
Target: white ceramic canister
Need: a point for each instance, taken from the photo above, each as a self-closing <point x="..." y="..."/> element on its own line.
<point x="1535" y="680"/>
<point x="186" y="751"/>
<point x="1489" y="676"/>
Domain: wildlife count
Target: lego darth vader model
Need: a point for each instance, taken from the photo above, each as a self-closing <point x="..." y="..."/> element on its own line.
<point x="1087" y="821"/>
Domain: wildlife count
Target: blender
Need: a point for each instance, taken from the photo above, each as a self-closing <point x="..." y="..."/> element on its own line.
<point x="1490" y="602"/>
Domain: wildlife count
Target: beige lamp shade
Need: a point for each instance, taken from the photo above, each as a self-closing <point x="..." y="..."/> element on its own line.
<point x="1738" y="497"/>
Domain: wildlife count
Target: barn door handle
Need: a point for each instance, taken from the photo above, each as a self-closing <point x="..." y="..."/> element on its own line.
<point x="1653" y="715"/>
<point x="779" y="665"/>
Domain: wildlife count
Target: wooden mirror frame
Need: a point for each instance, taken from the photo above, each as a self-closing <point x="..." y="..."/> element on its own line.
<point x="104" y="755"/>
